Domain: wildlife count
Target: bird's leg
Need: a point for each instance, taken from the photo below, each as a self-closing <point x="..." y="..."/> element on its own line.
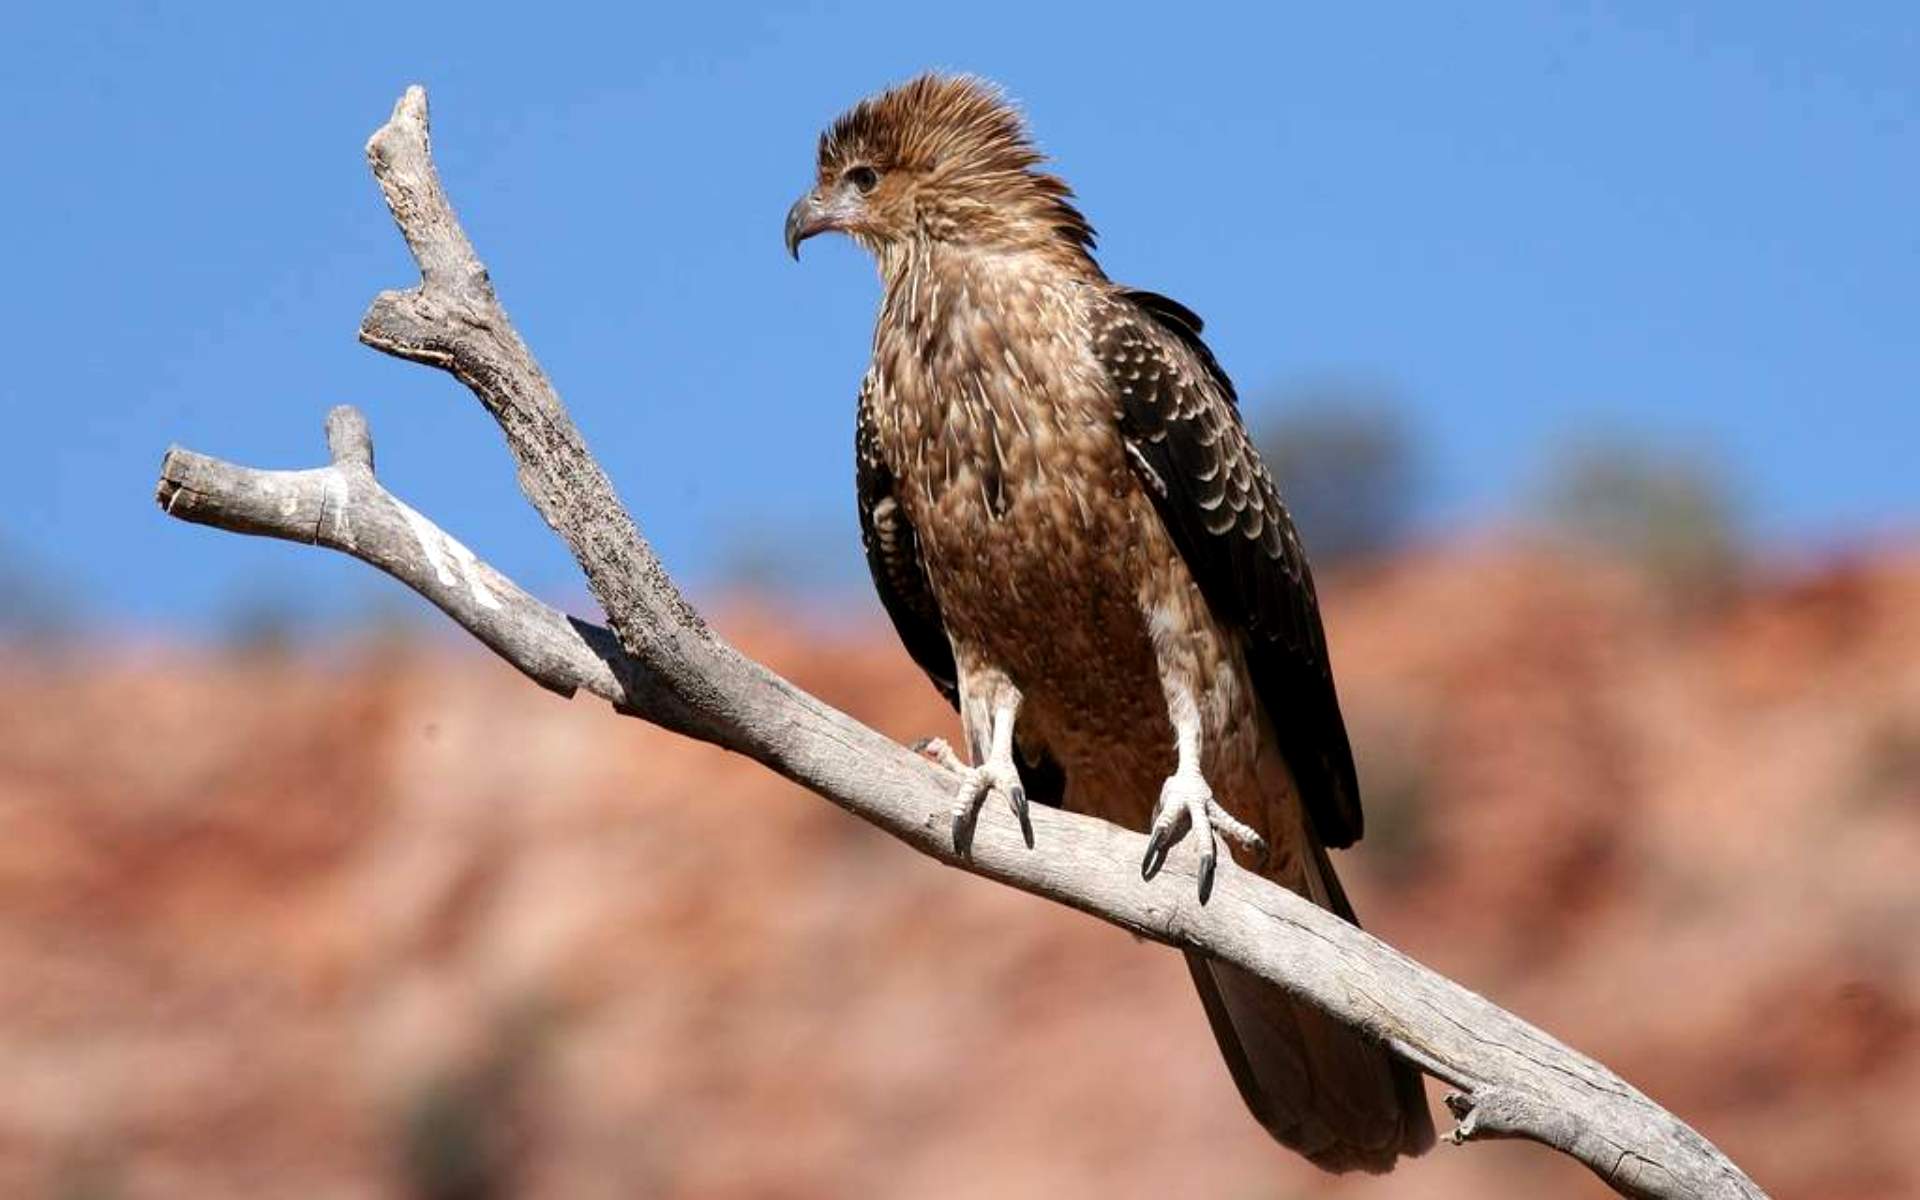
<point x="1186" y="802"/>
<point x="989" y="705"/>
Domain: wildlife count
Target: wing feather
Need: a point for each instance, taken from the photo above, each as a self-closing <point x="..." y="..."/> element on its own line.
<point x="893" y="557"/>
<point x="1179" y="414"/>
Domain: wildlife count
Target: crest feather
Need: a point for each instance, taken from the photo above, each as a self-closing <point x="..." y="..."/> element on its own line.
<point x="963" y="133"/>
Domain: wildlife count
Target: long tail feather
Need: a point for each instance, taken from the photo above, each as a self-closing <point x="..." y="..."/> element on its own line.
<point x="1318" y="1086"/>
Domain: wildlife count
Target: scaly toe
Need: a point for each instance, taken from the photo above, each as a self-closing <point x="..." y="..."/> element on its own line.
<point x="966" y="805"/>
<point x="1187" y="803"/>
<point x="975" y="784"/>
<point x="936" y="749"/>
<point x="1235" y="832"/>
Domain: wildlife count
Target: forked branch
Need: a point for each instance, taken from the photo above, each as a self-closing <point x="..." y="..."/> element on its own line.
<point x="660" y="662"/>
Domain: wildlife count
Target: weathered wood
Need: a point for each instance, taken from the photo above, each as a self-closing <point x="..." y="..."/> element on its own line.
<point x="661" y="662"/>
<point x="344" y="507"/>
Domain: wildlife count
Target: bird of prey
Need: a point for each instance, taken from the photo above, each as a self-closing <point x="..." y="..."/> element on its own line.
<point x="1076" y="541"/>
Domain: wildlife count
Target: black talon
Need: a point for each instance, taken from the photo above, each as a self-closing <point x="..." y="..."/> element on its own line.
<point x="1018" y="798"/>
<point x="1156" y="853"/>
<point x="1206" y="875"/>
<point x="963" y="832"/>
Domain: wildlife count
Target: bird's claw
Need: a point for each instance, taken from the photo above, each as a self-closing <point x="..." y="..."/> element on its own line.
<point x="937" y="750"/>
<point x="1158" y="842"/>
<point x="1186" y="802"/>
<point x="975" y="784"/>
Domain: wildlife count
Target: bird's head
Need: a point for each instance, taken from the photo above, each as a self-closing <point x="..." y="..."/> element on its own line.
<point x="939" y="159"/>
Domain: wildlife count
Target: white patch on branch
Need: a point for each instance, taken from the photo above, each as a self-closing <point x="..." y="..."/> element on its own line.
<point x="427" y="537"/>
<point x="442" y="549"/>
<point x="339" y="499"/>
<point x="470" y="570"/>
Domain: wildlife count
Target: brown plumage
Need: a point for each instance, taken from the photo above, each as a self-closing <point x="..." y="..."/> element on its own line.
<point x="1076" y="541"/>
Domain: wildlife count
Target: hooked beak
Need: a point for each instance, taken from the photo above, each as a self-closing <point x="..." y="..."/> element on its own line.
<point x="802" y="223"/>
<point x="814" y="213"/>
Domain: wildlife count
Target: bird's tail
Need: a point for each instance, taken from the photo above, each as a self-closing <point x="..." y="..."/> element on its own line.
<point x="1318" y="1086"/>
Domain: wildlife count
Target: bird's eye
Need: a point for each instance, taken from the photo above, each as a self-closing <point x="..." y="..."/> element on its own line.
<point x="863" y="178"/>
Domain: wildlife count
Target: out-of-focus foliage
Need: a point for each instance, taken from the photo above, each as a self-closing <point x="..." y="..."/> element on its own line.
<point x="464" y="1131"/>
<point x="1346" y="467"/>
<point x="268" y="619"/>
<point x="1396" y="777"/>
<point x="263" y="620"/>
<point x="1670" y="512"/>
<point x="34" y="607"/>
<point x="775" y="553"/>
<point x="1889" y="767"/>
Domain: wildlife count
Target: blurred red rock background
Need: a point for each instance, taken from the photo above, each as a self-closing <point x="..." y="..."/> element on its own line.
<point x="384" y="920"/>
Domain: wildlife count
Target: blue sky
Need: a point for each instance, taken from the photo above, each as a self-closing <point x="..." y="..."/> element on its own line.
<point x="1700" y="222"/>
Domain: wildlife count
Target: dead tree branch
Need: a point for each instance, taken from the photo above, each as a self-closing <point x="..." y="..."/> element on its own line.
<point x="660" y="662"/>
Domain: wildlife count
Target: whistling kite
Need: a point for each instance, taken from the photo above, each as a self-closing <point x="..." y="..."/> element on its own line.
<point x="1075" y="539"/>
